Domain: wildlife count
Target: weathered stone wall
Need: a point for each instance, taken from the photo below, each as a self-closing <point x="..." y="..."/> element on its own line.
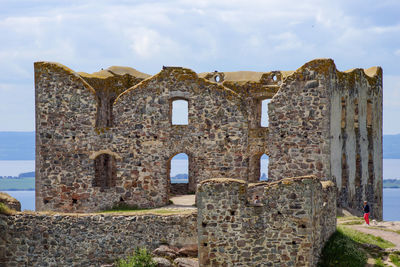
<point x="356" y="146"/>
<point x="299" y="124"/>
<point x="107" y="138"/>
<point x="215" y="138"/>
<point x="286" y="228"/>
<point x="88" y="161"/>
<point x="87" y="240"/>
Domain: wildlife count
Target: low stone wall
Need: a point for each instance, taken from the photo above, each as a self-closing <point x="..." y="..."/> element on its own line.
<point x="38" y="239"/>
<point x="284" y="229"/>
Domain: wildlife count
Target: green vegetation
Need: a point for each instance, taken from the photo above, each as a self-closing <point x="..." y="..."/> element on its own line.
<point x="379" y="263"/>
<point x="352" y="223"/>
<point x="341" y="250"/>
<point x="363" y="238"/>
<point x="4" y="209"/>
<point x="349" y="247"/>
<point x="140" y="258"/>
<point x="149" y="211"/>
<point x="26" y="183"/>
<point x="124" y="208"/>
<point x="395" y="258"/>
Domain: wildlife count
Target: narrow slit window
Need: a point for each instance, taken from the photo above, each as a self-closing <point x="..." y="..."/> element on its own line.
<point x="369" y="113"/>
<point x="264" y="112"/>
<point x="180" y="112"/>
<point x="179" y="169"/>
<point x="343" y="123"/>
<point x="264" y="159"/>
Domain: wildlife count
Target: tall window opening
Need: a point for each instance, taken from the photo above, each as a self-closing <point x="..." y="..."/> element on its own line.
<point x="345" y="171"/>
<point x="105" y="171"/>
<point x="179" y="169"/>
<point x="358" y="171"/>
<point x="343" y="123"/>
<point x="264" y="112"/>
<point x="369" y="113"/>
<point x="370" y="169"/>
<point x="264" y="159"/>
<point x="356" y="113"/>
<point x="180" y="112"/>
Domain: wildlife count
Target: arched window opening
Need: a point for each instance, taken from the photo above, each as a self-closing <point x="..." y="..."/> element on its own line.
<point x="179" y="169"/>
<point x="180" y="112"/>
<point x="264" y="112"/>
<point x="264" y="159"/>
<point x="105" y="171"/>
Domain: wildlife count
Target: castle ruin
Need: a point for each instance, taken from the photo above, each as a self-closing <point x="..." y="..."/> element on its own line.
<point x="108" y="138"/>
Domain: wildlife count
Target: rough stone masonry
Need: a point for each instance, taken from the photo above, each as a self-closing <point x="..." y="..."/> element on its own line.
<point x="107" y="138"/>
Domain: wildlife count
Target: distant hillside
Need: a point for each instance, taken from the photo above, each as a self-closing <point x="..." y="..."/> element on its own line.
<point x="391" y="146"/>
<point x="17" y="145"/>
<point x="21" y="146"/>
<point x="391" y="183"/>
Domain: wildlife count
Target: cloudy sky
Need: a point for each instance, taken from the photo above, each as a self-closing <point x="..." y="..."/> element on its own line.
<point x="204" y="35"/>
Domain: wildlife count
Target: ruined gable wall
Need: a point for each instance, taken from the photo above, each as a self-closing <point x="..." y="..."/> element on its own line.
<point x="215" y="139"/>
<point x="299" y="140"/>
<point x="65" y="113"/>
<point x="66" y="139"/>
<point x="286" y="228"/>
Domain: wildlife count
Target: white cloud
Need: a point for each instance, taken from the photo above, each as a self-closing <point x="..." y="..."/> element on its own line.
<point x="203" y="35"/>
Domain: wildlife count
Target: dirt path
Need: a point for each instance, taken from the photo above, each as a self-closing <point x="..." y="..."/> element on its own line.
<point x="182" y="202"/>
<point x="387" y="235"/>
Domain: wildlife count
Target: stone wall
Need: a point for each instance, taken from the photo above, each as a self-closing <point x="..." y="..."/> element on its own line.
<point x="107" y="138"/>
<point x="298" y="124"/>
<point x="286" y="228"/>
<point x="356" y="146"/>
<point x="39" y="239"/>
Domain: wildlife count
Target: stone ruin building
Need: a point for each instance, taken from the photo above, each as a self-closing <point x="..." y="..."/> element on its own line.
<point x="108" y="137"/>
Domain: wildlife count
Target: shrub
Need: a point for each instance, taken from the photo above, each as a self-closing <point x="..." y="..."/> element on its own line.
<point x="4" y="209"/>
<point x="140" y="258"/>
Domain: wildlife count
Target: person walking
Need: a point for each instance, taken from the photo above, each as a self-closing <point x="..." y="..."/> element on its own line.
<point x="366" y="212"/>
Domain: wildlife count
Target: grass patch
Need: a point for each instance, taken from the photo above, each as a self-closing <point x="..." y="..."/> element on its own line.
<point x="362" y="238"/>
<point x="126" y="209"/>
<point x="341" y="250"/>
<point x="349" y="218"/>
<point x="352" y="223"/>
<point x="4" y="209"/>
<point x="395" y="258"/>
<point x="379" y="263"/>
<point x="148" y="211"/>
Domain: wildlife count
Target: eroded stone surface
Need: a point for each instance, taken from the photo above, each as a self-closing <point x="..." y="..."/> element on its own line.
<point x="322" y="122"/>
<point x="35" y="239"/>
<point x="289" y="226"/>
